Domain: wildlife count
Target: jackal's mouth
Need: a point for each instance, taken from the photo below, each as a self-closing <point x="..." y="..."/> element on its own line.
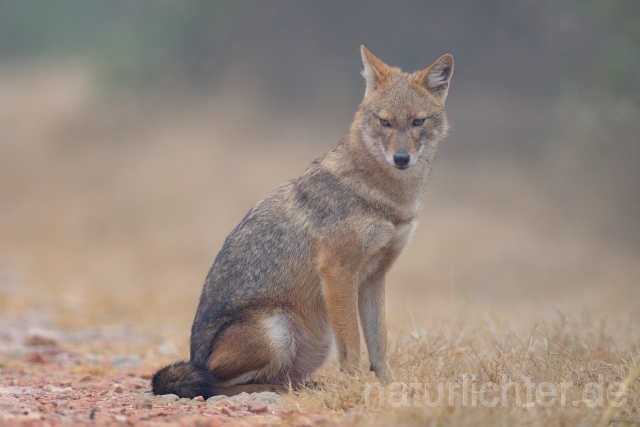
<point x="402" y="167"/>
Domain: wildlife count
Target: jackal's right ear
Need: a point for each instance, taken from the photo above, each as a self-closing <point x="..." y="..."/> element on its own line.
<point x="436" y="78"/>
<point x="375" y="71"/>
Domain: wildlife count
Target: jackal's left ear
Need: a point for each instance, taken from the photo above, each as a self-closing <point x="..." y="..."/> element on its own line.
<point x="375" y="71"/>
<point x="436" y="78"/>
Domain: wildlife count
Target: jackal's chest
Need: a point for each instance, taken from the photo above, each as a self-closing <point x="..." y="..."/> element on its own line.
<point x="386" y="243"/>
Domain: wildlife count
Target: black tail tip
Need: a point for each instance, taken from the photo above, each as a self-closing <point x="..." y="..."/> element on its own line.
<point x="184" y="379"/>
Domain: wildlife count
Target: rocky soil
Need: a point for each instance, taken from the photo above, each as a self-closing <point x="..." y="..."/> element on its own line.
<point x="53" y="377"/>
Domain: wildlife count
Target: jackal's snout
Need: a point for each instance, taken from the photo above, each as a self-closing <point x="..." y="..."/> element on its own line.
<point x="401" y="159"/>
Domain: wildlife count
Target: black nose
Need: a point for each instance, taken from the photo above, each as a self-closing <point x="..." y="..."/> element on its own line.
<point x="401" y="159"/>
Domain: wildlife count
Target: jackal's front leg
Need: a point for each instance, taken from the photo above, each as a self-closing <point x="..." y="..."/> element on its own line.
<point x="340" y="289"/>
<point x="371" y="309"/>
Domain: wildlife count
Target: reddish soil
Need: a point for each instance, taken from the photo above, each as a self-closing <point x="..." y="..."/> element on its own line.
<point x="52" y="379"/>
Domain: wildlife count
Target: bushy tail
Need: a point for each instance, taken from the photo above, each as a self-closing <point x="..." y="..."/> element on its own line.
<point x="185" y="379"/>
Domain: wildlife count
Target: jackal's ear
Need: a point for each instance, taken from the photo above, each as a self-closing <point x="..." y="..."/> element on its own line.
<point x="436" y="78"/>
<point x="375" y="71"/>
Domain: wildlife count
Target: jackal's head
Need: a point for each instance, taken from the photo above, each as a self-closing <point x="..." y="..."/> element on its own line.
<point x="402" y="116"/>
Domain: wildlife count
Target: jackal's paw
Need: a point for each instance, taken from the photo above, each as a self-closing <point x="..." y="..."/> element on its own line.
<point x="384" y="373"/>
<point x="385" y="376"/>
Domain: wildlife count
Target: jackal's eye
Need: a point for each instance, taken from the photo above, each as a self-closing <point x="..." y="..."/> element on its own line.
<point x="385" y="123"/>
<point x="418" y="122"/>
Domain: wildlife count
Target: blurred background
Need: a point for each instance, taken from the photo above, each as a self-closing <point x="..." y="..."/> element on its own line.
<point x="134" y="136"/>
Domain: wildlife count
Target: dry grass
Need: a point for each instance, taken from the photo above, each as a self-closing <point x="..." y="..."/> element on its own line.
<point x="112" y="216"/>
<point x="574" y="356"/>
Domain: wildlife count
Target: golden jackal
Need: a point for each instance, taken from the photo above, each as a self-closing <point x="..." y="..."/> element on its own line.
<point x="292" y="279"/>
